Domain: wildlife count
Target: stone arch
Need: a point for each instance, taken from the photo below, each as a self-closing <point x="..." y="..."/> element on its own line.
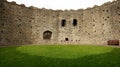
<point x="47" y="35"/>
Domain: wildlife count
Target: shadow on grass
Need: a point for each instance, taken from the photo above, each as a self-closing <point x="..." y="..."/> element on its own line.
<point x="14" y="58"/>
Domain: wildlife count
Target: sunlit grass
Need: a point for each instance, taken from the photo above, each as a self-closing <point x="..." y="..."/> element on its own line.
<point x="59" y="56"/>
<point x="63" y="51"/>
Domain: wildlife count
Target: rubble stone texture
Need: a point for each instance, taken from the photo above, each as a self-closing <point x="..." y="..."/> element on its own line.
<point x="21" y="25"/>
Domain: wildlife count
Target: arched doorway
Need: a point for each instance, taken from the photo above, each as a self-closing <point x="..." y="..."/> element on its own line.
<point x="47" y="35"/>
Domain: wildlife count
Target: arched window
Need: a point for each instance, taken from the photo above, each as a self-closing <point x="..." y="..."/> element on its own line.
<point x="47" y="35"/>
<point x="63" y="22"/>
<point x="74" y="22"/>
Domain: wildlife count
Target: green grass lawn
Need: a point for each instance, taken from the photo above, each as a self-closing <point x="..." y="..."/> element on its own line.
<point x="59" y="56"/>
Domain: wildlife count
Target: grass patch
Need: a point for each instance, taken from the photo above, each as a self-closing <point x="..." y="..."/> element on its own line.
<point x="59" y="56"/>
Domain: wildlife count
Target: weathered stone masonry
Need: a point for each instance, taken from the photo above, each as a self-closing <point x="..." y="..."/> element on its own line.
<point x="21" y="25"/>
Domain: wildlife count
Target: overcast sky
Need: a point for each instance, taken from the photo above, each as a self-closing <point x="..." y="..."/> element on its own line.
<point x="61" y="4"/>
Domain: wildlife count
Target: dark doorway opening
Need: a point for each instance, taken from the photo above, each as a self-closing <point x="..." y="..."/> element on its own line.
<point x="74" y="22"/>
<point x="47" y="35"/>
<point x="63" y="22"/>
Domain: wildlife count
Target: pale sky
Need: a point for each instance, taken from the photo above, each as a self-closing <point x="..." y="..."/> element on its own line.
<point x="61" y="4"/>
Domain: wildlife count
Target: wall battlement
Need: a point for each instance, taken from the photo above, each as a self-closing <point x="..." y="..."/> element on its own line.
<point x="32" y="7"/>
<point x="21" y="25"/>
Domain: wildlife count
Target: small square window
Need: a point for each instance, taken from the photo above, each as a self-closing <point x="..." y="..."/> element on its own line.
<point x="66" y="39"/>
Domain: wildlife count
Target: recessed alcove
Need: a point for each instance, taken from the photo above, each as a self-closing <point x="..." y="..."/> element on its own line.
<point x="113" y="42"/>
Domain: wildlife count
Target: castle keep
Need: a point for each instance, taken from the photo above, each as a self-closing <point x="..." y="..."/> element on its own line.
<point x="21" y="25"/>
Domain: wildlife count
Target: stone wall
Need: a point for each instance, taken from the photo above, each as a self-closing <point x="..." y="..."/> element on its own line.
<point x="21" y="25"/>
<point x="15" y="24"/>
